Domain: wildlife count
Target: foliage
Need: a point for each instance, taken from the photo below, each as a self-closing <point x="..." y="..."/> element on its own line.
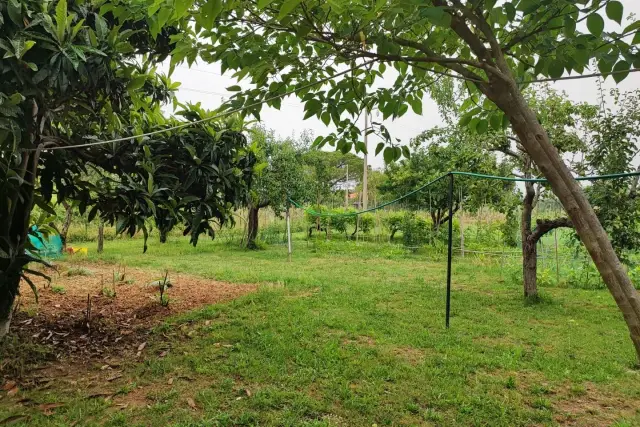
<point x="415" y="230"/>
<point x="613" y="148"/>
<point x="77" y="72"/>
<point x="285" y="45"/>
<point x="328" y="170"/>
<point x="438" y="152"/>
<point x="281" y="172"/>
<point x="393" y="223"/>
<point x="367" y="222"/>
<point x="509" y="229"/>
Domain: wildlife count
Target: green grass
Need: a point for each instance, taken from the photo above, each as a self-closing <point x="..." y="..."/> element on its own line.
<point x="353" y="334"/>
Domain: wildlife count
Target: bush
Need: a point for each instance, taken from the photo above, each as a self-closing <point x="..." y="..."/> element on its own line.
<point x="367" y="222"/>
<point x="393" y="223"/>
<point x="509" y="229"/>
<point x="415" y="230"/>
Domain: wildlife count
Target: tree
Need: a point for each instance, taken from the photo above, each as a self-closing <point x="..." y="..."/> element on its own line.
<point x="562" y="121"/>
<point x="441" y="150"/>
<point x="288" y="46"/>
<point x="613" y="146"/>
<point x="327" y="170"/>
<point x="77" y="73"/>
<point x="281" y="177"/>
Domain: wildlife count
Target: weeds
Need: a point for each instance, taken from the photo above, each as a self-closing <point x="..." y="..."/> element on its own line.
<point x="58" y="289"/>
<point x="79" y="271"/>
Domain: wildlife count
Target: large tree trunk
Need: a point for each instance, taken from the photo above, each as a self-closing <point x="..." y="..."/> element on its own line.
<point x="535" y="140"/>
<point x="529" y="247"/>
<point x="66" y="224"/>
<point x="252" y="229"/>
<point x="100" y="236"/>
<point x="7" y="297"/>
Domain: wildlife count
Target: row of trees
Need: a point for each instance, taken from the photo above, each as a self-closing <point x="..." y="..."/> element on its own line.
<point x="593" y="140"/>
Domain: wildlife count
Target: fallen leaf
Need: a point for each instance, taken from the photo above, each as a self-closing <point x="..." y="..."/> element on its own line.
<point x="170" y="381"/>
<point x="8" y="385"/>
<point x="163" y="353"/>
<point x="207" y="322"/>
<point x="191" y="403"/>
<point x="114" y="377"/>
<point x="239" y="398"/>
<point x="13" y="420"/>
<point x="142" y="346"/>
<point x="13" y="391"/>
<point x="248" y="392"/>
<point x="47" y="408"/>
<point x="102" y="368"/>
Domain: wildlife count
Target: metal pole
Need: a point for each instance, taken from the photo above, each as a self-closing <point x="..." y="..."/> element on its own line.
<point x="365" y="172"/>
<point x="288" y="233"/>
<point x="346" y="189"/>
<point x="450" y="249"/>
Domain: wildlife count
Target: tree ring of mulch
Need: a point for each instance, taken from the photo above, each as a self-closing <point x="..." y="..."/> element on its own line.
<point x="78" y="318"/>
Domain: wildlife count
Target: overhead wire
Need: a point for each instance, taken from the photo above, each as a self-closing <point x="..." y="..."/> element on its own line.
<point x="207" y="119"/>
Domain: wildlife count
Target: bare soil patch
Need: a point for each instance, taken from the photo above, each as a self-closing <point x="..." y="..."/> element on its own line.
<point x="89" y="317"/>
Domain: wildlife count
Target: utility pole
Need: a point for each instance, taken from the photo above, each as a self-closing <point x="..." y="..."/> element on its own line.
<point x="346" y="189"/>
<point x="365" y="173"/>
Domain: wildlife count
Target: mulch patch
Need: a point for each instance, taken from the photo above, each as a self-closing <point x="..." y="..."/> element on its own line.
<point x="79" y="321"/>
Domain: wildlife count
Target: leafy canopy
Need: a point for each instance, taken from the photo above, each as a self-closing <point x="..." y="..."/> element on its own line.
<point x="285" y="45"/>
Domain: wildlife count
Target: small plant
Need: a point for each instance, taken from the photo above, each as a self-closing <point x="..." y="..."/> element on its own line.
<point x="163" y="284"/>
<point x="119" y="274"/>
<point x="78" y="271"/>
<point x="511" y="383"/>
<point x="109" y="292"/>
<point x="58" y="289"/>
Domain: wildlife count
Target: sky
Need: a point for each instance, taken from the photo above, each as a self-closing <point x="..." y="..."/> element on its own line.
<point x="204" y="83"/>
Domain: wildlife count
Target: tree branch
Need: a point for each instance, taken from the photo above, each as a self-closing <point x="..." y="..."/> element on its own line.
<point x="543" y="226"/>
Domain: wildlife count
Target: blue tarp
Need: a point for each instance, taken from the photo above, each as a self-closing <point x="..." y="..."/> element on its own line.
<point x="46" y="247"/>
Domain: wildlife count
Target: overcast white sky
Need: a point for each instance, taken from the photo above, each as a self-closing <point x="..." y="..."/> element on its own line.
<point x="204" y="83"/>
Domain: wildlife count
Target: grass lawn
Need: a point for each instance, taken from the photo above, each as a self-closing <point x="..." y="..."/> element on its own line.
<point x="352" y="334"/>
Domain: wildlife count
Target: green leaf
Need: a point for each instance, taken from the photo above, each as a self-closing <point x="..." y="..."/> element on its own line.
<point x="405" y="152"/>
<point x="101" y="27"/>
<point x="389" y="154"/>
<point x="555" y="69"/>
<point x="137" y="82"/>
<point x="615" y="11"/>
<point x="14" y="8"/>
<point x="326" y="118"/>
<point x="482" y="126"/>
<point x="379" y="147"/>
<point x="510" y="10"/>
<point x="264" y="3"/>
<point x="495" y="121"/>
<point x="210" y="12"/>
<point x="569" y="26"/>
<point x="595" y="24"/>
<point x="287" y="7"/>
<point x="436" y="15"/>
<point x="313" y="106"/>
<point x="621" y="71"/>
<point x="605" y="67"/>
<point x="416" y="106"/>
<point x="636" y="38"/>
<point x="150" y="184"/>
<point x="182" y="7"/>
<point x="528" y="6"/>
<point x="61" y="19"/>
<point x="234" y="88"/>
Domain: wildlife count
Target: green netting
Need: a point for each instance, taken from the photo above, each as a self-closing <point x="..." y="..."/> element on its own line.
<point x="314" y="213"/>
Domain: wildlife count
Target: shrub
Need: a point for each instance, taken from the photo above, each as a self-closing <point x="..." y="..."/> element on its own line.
<point x="393" y="223"/>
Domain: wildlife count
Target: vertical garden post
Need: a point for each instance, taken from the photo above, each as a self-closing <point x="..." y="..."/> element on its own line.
<point x="449" y="249"/>
<point x="289" y="232"/>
